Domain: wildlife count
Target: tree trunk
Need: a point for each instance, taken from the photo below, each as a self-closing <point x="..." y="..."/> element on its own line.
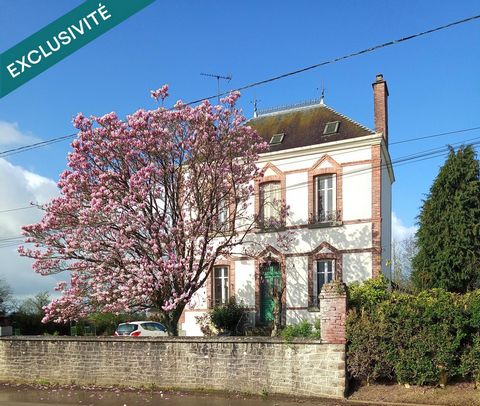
<point x="277" y="315"/>
<point x="170" y="320"/>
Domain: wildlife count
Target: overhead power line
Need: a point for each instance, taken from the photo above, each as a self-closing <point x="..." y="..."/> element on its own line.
<point x="25" y="148"/>
<point x="434" y="135"/>
<point x="418" y="156"/>
<point x="341" y="58"/>
<point x="3" y="239"/>
<point x="10" y="242"/>
<point x="18" y="208"/>
<point x="272" y="79"/>
<point x="32" y="206"/>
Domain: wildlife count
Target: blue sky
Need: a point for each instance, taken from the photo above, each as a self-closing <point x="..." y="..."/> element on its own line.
<point x="433" y="80"/>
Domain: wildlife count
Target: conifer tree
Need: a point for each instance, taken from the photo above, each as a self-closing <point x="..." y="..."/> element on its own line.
<point x="448" y="236"/>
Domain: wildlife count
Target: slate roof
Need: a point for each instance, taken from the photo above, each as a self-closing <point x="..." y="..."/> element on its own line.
<point x="304" y="126"/>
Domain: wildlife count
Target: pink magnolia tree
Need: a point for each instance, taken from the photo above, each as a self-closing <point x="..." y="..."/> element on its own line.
<point x="146" y="207"/>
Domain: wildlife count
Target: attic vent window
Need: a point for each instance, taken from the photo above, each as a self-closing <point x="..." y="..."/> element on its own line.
<point x="277" y="139"/>
<point x="331" y="127"/>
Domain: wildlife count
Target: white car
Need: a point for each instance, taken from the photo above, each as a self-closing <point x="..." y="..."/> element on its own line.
<point x="141" y="329"/>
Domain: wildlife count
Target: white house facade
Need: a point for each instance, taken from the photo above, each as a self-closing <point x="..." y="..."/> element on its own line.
<point x="335" y="175"/>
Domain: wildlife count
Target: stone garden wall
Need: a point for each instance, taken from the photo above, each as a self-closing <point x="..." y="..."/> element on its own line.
<point x="245" y="364"/>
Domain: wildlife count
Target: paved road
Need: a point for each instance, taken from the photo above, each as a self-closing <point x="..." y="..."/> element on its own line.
<point x="25" y="396"/>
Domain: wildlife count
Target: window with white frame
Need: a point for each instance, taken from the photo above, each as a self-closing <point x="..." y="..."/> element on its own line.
<point x="323" y="273"/>
<point x="270" y="202"/>
<point x="325" y="198"/>
<point x="220" y="285"/>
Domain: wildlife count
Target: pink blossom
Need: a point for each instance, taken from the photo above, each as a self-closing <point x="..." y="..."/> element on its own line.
<point x="136" y="223"/>
<point x="161" y="93"/>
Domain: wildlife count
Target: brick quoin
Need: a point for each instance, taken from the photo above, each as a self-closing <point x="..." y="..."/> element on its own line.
<point x="376" y="211"/>
<point x="333" y="312"/>
<point x="380" y="104"/>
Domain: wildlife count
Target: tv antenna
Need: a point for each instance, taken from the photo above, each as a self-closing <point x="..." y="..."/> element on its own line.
<point x="218" y="77"/>
<point x="255" y="106"/>
<point x="322" y="94"/>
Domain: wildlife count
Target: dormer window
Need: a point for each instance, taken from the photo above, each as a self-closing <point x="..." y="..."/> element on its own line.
<point x="277" y="139"/>
<point x="331" y="127"/>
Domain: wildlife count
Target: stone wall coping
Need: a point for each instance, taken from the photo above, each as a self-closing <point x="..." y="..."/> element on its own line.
<point x="193" y="340"/>
<point x="300" y="368"/>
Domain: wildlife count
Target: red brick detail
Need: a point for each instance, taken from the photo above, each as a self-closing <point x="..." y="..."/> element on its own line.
<point x="334" y="255"/>
<point x="209" y="288"/>
<point x="315" y="170"/>
<point x="333" y="313"/>
<point x="230" y="263"/>
<point x="350" y="163"/>
<point x="271" y="254"/>
<point x="278" y="177"/>
<point x="380" y="105"/>
<point x="376" y="211"/>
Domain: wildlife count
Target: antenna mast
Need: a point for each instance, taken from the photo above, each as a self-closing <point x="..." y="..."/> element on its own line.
<point x="255" y="106"/>
<point x="218" y="77"/>
<point x="322" y="94"/>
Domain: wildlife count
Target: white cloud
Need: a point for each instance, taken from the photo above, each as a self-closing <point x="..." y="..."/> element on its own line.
<point x="10" y="134"/>
<point x="399" y="230"/>
<point x="19" y="187"/>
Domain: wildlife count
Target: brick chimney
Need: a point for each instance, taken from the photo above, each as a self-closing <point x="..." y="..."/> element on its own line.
<point x="380" y="105"/>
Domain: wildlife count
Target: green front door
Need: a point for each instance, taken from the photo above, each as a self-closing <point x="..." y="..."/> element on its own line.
<point x="269" y="280"/>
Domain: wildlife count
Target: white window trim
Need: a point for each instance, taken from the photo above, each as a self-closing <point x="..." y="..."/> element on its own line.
<point x="224" y="283"/>
<point x="325" y="273"/>
<point x="275" y="197"/>
<point x="332" y="209"/>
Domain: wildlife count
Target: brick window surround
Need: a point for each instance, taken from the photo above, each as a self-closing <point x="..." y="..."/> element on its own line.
<point x="278" y="177"/>
<point x="270" y="254"/>
<point x="316" y="170"/>
<point x="230" y="264"/>
<point x="324" y="251"/>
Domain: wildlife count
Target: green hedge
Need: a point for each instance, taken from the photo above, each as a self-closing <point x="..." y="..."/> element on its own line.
<point x="423" y="339"/>
<point x="303" y="330"/>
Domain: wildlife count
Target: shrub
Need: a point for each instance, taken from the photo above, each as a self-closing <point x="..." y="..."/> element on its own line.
<point x="422" y="339"/>
<point x="317" y="325"/>
<point x="472" y="310"/>
<point x="303" y="329"/>
<point x="427" y="331"/>
<point x="368" y="349"/>
<point x="367" y="295"/>
<point x="470" y="361"/>
<point x="228" y="317"/>
<point x="205" y="323"/>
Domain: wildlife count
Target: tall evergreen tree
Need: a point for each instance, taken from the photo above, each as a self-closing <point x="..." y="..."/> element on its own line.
<point x="449" y="227"/>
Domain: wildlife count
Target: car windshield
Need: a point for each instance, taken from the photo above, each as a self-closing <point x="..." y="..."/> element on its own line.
<point x="126" y="328"/>
<point x="152" y="326"/>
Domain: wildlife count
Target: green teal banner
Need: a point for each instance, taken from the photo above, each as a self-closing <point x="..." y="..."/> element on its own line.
<point x="59" y="39"/>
